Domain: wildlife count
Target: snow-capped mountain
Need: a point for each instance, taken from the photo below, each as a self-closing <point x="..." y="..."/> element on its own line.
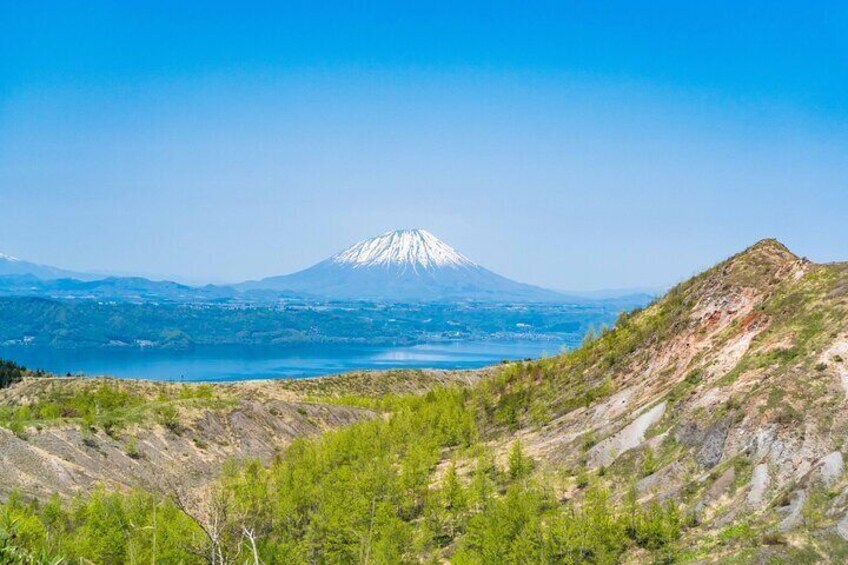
<point x="402" y="266"/>
<point x="414" y="249"/>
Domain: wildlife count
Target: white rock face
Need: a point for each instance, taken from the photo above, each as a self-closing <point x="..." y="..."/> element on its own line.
<point x="839" y="350"/>
<point x="794" y="517"/>
<point x="759" y="485"/>
<point x="414" y="249"/>
<point x="842" y="527"/>
<point x="629" y="437"/>
<point x="831" y="467"/>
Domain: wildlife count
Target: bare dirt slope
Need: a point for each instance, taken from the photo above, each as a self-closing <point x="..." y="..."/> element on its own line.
<point x="169" y="437"/>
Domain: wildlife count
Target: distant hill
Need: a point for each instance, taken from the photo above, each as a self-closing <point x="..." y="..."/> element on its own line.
<point x="13" y="266"/>
<point x="37" y="320"/>
<point x="120" y="289"/>
<point x="404" y="265"/>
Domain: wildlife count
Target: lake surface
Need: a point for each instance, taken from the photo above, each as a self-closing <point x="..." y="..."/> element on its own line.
<point x="234" y="363"/>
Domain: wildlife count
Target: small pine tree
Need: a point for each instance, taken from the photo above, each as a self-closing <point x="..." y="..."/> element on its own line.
<point x="649" y="463"/>
<point x="590" y="336"/>
<point x="481" y="483"/>
<point x="452" y="490"/>
<point x="520" y="464"/>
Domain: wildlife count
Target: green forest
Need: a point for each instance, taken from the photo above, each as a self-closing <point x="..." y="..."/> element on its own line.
<point x="416" y="484"/>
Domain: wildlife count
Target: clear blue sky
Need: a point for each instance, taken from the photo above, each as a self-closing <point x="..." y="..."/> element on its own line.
<point x="596" y="145"/>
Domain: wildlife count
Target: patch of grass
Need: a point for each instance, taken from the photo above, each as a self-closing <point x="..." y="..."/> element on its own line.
<point x="131" y="449"/>
<point x="775" y="397"/>
<point x="740" y="531"/>
<point x="787" y="415"/>
<point x="815" y="506"/>
<point x="168" y="417"/>
<point x="105" y="405"/>
<point x="650" y="463"/>
<point x="588" y="441"/>
<point x="109" y="405"/>
<point x="779" y="357"/>
<point x="18" y="428"/>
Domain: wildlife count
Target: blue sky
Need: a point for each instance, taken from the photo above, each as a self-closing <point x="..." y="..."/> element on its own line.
<point x="573" y="145"/>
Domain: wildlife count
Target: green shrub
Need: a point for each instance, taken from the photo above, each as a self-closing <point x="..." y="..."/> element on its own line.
<point x="131" y="449"/>
<point x="18" y="428"/>
<point x="169" y="417"/>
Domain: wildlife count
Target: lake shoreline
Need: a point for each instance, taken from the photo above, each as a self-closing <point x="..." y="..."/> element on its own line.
<point x="220" y="364"/>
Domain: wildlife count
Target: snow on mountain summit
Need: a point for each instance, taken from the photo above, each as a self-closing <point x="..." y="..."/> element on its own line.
<point x="416" y="249"/>
<point x="403" y="266"/>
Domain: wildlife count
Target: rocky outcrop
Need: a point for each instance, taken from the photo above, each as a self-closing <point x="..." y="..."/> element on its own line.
<point x="629" y="437"/>
<point x="706" y="442"/>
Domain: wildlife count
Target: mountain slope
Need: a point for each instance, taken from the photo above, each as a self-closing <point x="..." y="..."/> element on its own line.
<point x="13" y="266"/>
<point x="404" y="265"/>
<point x="727" y="396"/>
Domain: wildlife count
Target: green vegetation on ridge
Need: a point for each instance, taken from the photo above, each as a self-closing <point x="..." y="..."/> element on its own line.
<point x="106" y="404"/>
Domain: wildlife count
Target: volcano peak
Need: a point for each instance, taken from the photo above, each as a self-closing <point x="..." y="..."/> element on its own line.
<point x="413" y="248"/>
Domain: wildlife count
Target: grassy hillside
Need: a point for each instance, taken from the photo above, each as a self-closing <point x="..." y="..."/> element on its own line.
<point x="708" y="427"/>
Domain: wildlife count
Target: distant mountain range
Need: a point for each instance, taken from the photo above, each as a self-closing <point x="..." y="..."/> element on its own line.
<point x="13" y="266"/>
<point x="405" y="266"/>
<point x="123" y="289"/>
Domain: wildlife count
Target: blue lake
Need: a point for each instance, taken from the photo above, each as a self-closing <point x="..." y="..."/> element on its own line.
<point x="233" y="363"/>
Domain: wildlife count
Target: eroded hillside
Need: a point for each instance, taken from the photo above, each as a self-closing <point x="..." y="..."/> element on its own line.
<point x="727" y="396"/>
<point x="67" y="435"/>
